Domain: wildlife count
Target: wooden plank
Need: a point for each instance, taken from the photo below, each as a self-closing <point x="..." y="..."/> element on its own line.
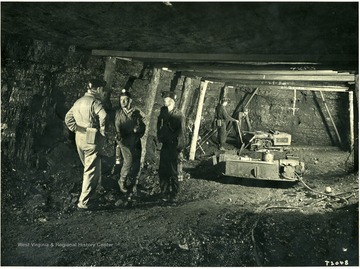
<point x="227" y="57"/>
<point x="148" y="109"/>
<point x="300" y="88"/>
<point x="351" y="118"/>
<point x="339" y="77"/>
<point x="324" y="84"/>
<point x="331" y="119"/>
<point x="233" y="68"/>
<point x="195" y="136"/>
<point x="264" y="72"/>
<point x="356" y="125"/>
<point x="186" y="95"/>
<point x="110" y="65"/>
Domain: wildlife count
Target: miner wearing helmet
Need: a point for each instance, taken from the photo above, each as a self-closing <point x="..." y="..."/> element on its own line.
<point x="221" y="119"/>
<point x="87" y="119"/>
<point x="129" y="130"/>
<point x="170" y="132"/>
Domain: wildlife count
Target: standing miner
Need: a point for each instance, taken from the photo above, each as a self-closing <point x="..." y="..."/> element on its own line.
<point x="170" y="132"/>
<point x="87" y="119"/>
<point x="221" y="119"/>
<point x="129" y="129"/>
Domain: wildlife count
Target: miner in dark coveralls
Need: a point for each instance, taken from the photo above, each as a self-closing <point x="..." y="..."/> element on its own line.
<point x="87" y="119"/>
<point x="129" y="130"/>
<point x="170" y="132"/>
<point x="221" y="119"/>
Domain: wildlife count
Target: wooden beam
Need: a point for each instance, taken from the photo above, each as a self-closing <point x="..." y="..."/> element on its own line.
<point x="351" y="118"/>
<point x="195" y="136"/>
<point x="334" y="78"/>
<point x="110" y="65"/>
<point x="356" y="125"/>
<point x="300" y="88"/>
<point x="276" y="58"/>
<point x="251" y="69"/>
<point x="234" y="71"/>
<point x="149" y="105"/>
<point x="250" y="83"/>
<point x="186" y="95"/>
<point x="331" y="119"/>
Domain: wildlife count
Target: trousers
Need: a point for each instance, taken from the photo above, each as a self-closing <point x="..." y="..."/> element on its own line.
<point x="131" y="156"/>
<point x="222" y="135"/>
<point x="90" y="158"/>
<point x="168" y="170"/>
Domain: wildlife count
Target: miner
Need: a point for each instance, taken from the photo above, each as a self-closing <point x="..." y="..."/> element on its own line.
<point x="221" y="119"/>
<point x="170" y="132"/>
<point x="87" y="119"/>
<point x="130" y="127"/>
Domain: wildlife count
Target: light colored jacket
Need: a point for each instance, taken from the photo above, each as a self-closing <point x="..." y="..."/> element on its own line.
<point x="86" y="112"/>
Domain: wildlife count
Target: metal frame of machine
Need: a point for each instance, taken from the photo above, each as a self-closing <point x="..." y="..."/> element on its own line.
<point x="264" y="169"/>
<point x="266" y="140"/>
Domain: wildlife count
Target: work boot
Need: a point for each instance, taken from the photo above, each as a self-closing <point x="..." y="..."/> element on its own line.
<point x="122" y="186"/>
<point x="173" y="198"/>
<point x="165" y="197"/>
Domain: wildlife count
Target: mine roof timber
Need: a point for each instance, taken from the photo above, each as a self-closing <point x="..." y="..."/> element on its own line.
<point x="251" y="69"/>
<point x="299" y="88"/>
<point x="262" y="72"/>
<point x="328" y="77"/>
<point x="245" y="58"/>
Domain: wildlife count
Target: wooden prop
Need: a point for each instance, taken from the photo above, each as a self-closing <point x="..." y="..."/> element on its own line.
<point x="150" y="100"/>
<point x="194" y="140"/>
<point x="331" y="119"/>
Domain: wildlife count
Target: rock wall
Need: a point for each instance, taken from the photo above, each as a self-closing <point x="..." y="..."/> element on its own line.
<point x="310" y="123"/>
<point x="40" y="81"/>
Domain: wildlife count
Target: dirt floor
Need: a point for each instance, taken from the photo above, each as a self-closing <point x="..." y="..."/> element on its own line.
<point x="217" y="221"/>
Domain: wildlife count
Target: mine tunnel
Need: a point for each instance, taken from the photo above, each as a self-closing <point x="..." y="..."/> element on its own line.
<point x="282" y="190"/>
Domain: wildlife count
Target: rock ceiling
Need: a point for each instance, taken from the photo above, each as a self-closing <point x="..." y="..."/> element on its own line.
<point x="240" y="34"/>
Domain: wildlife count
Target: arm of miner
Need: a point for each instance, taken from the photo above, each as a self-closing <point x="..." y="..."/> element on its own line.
<point x="70" y="120"/>
<point x="160" y="124"/>
<point x="179" y="131"/>
<point x="140" y="125"/>
<point x="226" y="115"/>
<point x="101" y="113"/>
<point x="182" y="145"/>
<point x="117" y="126"/>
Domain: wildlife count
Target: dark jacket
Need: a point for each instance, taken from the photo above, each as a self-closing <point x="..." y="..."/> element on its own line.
<point x="221" y="113"/>
<point x="171" y="128"/>
<point x="126" y="121"/>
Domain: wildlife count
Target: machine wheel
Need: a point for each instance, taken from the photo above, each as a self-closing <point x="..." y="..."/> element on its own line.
<point x="268" y="143"/>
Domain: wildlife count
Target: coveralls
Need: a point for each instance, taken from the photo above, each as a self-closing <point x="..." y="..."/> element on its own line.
<point x="170" y="132"/>
<point x="129" y="129"/>
<point x="221" y="118"/>
<point x="88" y="112"/>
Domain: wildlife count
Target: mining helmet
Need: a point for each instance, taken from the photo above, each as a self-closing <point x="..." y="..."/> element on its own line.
<point x="170" y="94"/>
<point x="94" y="83"/>
<point x="125" y="93"/>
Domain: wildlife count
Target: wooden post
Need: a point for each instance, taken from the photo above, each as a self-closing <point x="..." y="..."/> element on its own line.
<point x="351" y="118"/>
<point x="186" y="95"/>
<point x="331" y="119"/>
<point x="356" y="125"/>
<point x="194" y="140"/>
<point x="110" y="64"/>
<point x="154" y="83"/>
